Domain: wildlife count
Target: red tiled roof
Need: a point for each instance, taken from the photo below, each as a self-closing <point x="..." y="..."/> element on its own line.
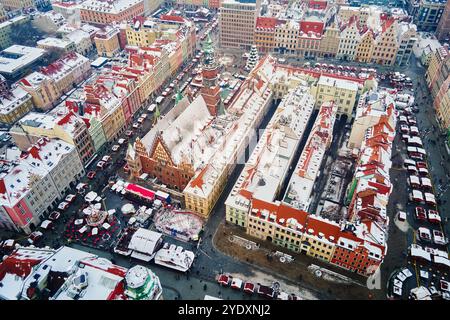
<point x="171" y="18"/>
<point x="65" y="119"/>
<point x="18" y="266"/>
<point x="388" y="23"/>
<point x="34" y="151"/>
<point x="2" y="186"/>
<point x="266" y="22"/>
<point x="317" y="4"/>
<point x="310" y="26"/>
<point x="25" y="82"/>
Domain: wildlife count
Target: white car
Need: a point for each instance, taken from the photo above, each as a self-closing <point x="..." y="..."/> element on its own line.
<point x="144" y="116"/>
<point x="135" y="125"/>
<point x="140" y="120"/>
<point x="439" y="238"/>
<point x="121" y="141"/>
<point x="115" y="147"/>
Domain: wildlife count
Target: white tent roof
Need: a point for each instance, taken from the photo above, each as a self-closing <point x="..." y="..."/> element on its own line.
<point x="144" y="241"/>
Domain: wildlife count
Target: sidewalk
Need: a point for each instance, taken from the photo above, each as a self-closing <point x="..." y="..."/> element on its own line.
<point x="295" y="271"/>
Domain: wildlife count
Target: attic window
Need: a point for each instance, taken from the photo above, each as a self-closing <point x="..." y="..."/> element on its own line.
<point x="11" y="186"/>
<point x="19" y="181"/>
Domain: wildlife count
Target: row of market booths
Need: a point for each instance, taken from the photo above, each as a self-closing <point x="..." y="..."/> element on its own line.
<point x="145" y="245"/>
<point x="139" y="194"/>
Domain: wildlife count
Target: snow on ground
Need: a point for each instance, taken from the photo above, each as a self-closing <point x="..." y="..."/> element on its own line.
<point x="268" y="280"/>
<point x="402" y="225"/>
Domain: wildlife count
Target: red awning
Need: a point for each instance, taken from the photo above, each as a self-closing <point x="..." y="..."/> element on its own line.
<point x="140" y="191"/>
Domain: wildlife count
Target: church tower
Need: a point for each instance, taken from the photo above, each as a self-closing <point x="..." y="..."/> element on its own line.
<point x="210" y="70"/>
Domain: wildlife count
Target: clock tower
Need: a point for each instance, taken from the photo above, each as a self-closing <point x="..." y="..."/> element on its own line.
<point x="210" y="70"/>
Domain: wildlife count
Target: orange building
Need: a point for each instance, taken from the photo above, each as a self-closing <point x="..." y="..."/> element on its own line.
<point x="103" y="12"/>
<point x="265" y="33"/>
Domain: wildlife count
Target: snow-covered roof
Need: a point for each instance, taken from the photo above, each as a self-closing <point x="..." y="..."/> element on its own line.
<point x="267" y="167"/>
<point x="17" y="177"/>
<point x="54" y="42"/>
<point x="144" y="241"/>
<point x="111" y="7"/>
<point x="14" y="58"/>
<point x="17" y="268"/>
<point x="338" y="83"/>
<point x="189" y="132"/>
<point x="307" y="169"/>
<point x="77" y="36"/>
<point x="16" y="97"/>
<point x="253" y="95"/>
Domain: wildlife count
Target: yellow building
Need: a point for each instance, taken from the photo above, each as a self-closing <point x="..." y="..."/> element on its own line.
<point x="42" y="89"/>
<point x="442" y="106"/>
<point x="329" y="44"/>
<point x="265" y="34"/>
<point x="284" y="226"/>
<point x="142" y="35"/>
<point x="386" y="46"/>
<point x="14" y="105"/>
<point x="107" y="42"/>
<point x="365" y="48"/>
<point x="342" y="91"/>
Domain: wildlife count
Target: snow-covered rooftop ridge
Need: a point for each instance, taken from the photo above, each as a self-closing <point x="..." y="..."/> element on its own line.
<point x="253" y="97"/>
<point x="308" y="166"/>
<point x="270" y="160"/>
<point x="14" y="99"/>
<point x="54" y="42"/>
<point x="374" y="103"/>
<point x="338" y="83"/>
<point x="111" y="6"/>
<point x="16" y="177"/>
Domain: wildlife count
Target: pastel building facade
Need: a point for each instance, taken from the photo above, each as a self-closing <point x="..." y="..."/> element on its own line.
<point x="33" y="182"/>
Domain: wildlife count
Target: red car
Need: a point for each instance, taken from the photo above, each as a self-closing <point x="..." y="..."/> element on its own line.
<point x="91" y="174"/>
<point x="421" y="164"/>
<point x="224" y="280"/>
<point x="421" y="214"/>
<point x="249" y="287"/>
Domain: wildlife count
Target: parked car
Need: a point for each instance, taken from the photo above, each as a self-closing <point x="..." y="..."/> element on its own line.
<point x="63" y="205"/>
<point x="424" y="234"/>
<point x="70" y="198"/>
<point x="266" y="292"/>
<point x="136" y="125"/>
<point x="115" y="147"/>
<point x="54" y="215"/>
<point x="34" y="237"/>
<point x="224" y="280"/>
<point x="249" y="287"/>
<point x="420" y="214"/>
<point x="439" y="238"/>
<point x="101" y="164"/>
<point x="91" y="174"/>
<point x="128" y="133"/>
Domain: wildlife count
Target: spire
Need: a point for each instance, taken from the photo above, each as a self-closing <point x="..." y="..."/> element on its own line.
<point x="178" y="96"/>
<point x="208" y="49"/>
<point x="156" y="114"/>
<point x="131" y="152"/>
